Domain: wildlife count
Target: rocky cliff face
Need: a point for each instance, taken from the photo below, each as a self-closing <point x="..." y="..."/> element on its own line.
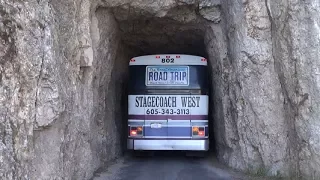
<point x="60" y="90"/>
<point x="63" y="68"/>
<point x="266" y="101"/>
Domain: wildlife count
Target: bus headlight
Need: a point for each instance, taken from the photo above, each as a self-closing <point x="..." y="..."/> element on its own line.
<point x="136" y="131"/>
<point x="198" y="131"/>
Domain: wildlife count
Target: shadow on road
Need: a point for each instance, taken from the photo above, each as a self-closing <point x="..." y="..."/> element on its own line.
<point x="169" y="165"/>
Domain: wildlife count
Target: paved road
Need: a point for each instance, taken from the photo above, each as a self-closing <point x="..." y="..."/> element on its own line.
<point x="166" y="166"/>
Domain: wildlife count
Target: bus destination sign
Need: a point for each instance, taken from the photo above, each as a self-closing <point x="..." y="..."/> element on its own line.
<point x="167" y="76"/>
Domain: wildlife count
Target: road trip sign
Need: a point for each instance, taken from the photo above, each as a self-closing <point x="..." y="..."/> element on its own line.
<point x="167" y="76"/>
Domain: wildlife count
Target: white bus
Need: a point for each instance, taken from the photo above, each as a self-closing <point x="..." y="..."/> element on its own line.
<point x="168" y="103"/>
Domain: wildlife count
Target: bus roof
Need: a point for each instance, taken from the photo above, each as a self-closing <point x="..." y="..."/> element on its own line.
<point x="168" y="59"/>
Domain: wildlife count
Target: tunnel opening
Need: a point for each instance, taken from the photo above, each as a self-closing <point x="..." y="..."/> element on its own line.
<point x="138" y="32"/>
<point x="151" y="36"/>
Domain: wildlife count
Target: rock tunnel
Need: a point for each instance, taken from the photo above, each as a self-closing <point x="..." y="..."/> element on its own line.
<point x="139" y="32"/>
<point x="64" y="69"/>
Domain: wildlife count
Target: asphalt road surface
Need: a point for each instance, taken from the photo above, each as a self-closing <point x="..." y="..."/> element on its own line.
<point x="167" y="166"/>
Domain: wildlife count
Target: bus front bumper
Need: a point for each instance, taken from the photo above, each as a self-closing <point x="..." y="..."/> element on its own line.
<point x="168" y="144"/>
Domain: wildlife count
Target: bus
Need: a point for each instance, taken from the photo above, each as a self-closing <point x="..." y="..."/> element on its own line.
<point x="168" y="103"/>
